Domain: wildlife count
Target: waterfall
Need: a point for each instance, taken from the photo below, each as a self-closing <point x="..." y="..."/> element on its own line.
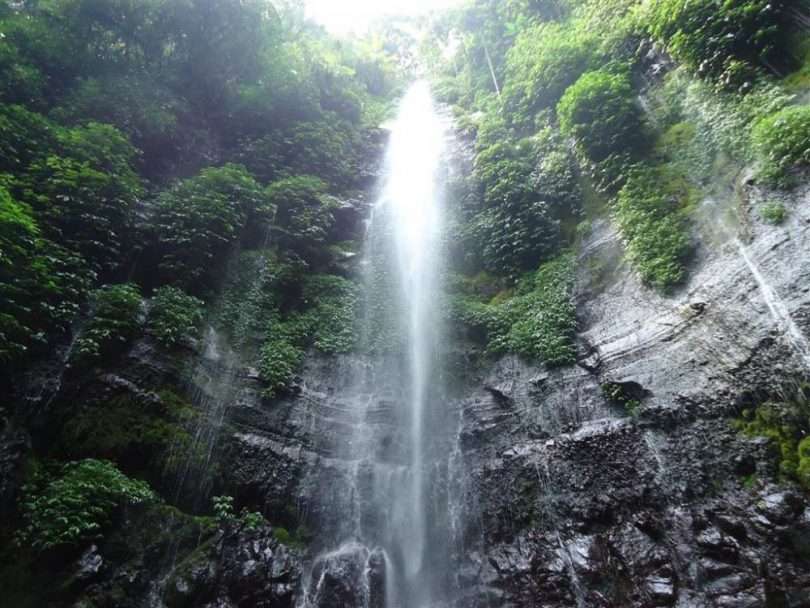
<point x="384" y="541"/>
<point x="411" y="193"/>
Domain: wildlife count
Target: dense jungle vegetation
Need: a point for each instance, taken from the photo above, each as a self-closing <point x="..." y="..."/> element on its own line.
<point x="147" y="148"/>
<point x="164" y="163"/>
<point x="584" y="107"/>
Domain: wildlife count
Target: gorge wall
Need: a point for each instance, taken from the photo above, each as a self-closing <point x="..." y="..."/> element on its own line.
<point x="215" y="409"/>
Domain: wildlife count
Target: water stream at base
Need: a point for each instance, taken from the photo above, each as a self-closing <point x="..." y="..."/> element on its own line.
<point x="383" y="549"/>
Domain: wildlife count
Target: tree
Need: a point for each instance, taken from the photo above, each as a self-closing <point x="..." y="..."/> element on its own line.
<point x="599" y="111"/>
<point x="200" y="218"/>
<point x="84" y="192"/>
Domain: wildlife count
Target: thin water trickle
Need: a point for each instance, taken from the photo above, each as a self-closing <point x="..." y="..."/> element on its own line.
<point x="723" y="226"/>
<point x="781" y="315"/>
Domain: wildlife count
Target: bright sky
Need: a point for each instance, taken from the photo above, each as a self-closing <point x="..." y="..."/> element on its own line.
<point x="344" y="16"/>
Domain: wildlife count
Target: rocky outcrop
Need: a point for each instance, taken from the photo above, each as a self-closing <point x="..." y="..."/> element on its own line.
<point x="583" y="504"/>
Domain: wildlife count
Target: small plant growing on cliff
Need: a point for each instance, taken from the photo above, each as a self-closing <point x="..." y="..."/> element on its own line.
<point x="618" y="394"/>
<point x="228" y="518"/>
<point x="76" y="502"/>
<point x="773" y="213"/>
<point x="787" y="424"/>
<point x="782" y="142"/>
<point x="173" y="314"/>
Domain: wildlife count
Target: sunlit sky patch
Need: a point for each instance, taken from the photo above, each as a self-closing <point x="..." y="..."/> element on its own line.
<point x="345" y="16"/>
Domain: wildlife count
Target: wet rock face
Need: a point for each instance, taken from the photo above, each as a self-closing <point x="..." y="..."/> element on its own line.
<point x="552" y="494"/>
<point x="583" y="503"/>
<point x="243" y="569"/>
<point x="164" y="559"/>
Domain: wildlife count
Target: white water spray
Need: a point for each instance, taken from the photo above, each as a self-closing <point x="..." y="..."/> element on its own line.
<point x="411" y="193"/>
<point x="382" y="534"/>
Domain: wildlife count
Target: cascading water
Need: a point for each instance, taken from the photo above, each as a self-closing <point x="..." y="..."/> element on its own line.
<point x="384" y="544"/>
<point x="411" y="193"/>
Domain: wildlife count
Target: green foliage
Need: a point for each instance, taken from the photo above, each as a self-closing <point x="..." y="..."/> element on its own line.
<point x="599" y="111"/>
<point x="173" y="315"/>
<point x="329" y="318"/>
<point x="649" y="214"/>
<point x="703" y="129"/>
<point x="617" y="394"/>
<point x="138" y="105"/>
<point x="303" y="212"/>
<point x="327" y="148"/>
<point x="228" y="518"/>
<point x="528" y="188"/>
<point x="189" y="84"/>
<point x="718" y="39"/>
<point x="18" y="240"/>
<point x="773" y="213"/>
<point x="279" y="362"/>
<point x="782" y="142"/>
<point x="84" y="192"/>
<point x="786" y="424"/>
<point x="25" y="136"/>
<point x="76" y="503"/>
<point x="545" y="60"/>
<point x="256" y="285"/>
<point x="41" y="284"/>
<point x="115" y="319"/>
<point x="200" y="218"/>
<point x="141" y="436"/>
<point x="538" y="322"/>
<point x="325" y="321"/>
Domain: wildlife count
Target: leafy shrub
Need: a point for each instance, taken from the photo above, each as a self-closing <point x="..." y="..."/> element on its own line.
<point x="258" y="283"/>
<point x="326" y="322"/>
<point x="649" y="216"/>
<point x="327" y="148"/>
<point x="705" y="128"/>
<point x="303" y="212"/>
<point x="173" y="314"/>
<point x="714" y="38"/>
<point x="529" y="187"/>
<point x="20" y="80"/>
<point x="139" y="105"/>
<point x="329" y="317"/>
<point x="538" y="322"/>
<point x="512" y="237"/>
<point x="544" y="61"/>
<point x="25" y="136"/>
<point x="773" y="213"/>
<point x="198" y="219"/>
<point x="228" y="518"/>
<point x="76" y="503"/>
<point x="782" y="142"/>
<point x="41" y="284"/>
<point x="786" y="424"/>
<point x="600" y="112"/>
<point x="279" y="362"/>
<point x="84" y="192"/>
<point x="18" y="241"/>
<point x="114" y="321"/>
